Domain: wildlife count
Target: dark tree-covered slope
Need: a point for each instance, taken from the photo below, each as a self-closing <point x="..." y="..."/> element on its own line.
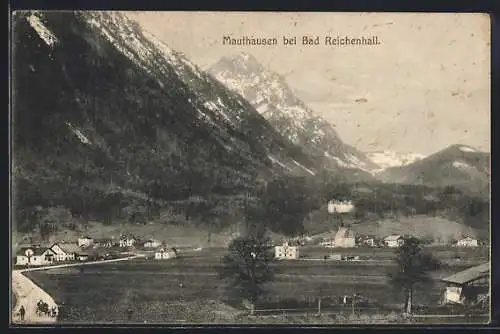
<point x="105" y="116"/>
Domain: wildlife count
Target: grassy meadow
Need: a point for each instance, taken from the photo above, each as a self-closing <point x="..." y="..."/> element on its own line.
<point x="102" y="293"/>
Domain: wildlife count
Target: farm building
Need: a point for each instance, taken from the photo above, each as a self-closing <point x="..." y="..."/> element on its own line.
<point x="35" y="256"/>
<point x="105" y="242"/>
<point x="327" y="243"/>
<point x="127" y="240"/>
<point x="85" y="241"/>
<point x="340" y="206"/>
<point x="152" y="243"/>
<point x="345" y="238"/>
<point x="467" y="242"/>
<point x="65" y="251"/>
<point x="82" y="256"/>
<point x="394" y="241"/>
<point x="162" y="253"/>
<point x="468" y="286"/>
<point x="286" y="252"/>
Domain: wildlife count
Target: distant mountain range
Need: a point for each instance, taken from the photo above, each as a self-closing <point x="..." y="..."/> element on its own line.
<point x="387" y="159"/>
<point x="109" y="121"/>
<point x="461" y="166"/>
<point x="270" y="94"/>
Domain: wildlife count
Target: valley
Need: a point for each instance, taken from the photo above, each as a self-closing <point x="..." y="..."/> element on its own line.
<point x="133" y="138"/>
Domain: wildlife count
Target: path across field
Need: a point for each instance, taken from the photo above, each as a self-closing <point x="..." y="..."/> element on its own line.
<point x="28" y="293"/>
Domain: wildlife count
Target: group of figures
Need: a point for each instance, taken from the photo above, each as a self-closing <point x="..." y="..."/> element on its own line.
<point x="42" y="308"/>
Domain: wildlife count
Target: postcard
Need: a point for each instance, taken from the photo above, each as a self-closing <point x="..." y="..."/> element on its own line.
<point x="250" y="168"/>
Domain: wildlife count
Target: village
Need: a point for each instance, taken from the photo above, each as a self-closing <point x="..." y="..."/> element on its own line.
<point x="341" y="245"/>
<point x="467" y="287"/>
<point x="86" y="248"/>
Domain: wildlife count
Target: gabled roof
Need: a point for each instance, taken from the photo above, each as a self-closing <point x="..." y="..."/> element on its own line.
<point x="37" y="251"/>
<point x="393" y="237"/>
<point x="467" y="238"/>
<point x="69" y="247"/>
<point x="469" y="275"/>
<point x="86" y="237"/>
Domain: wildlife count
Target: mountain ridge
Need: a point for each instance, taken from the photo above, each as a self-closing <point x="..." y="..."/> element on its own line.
<point x="156" y="128"/>
<point x="271" y="95"/>
<point x="457" y="165"/>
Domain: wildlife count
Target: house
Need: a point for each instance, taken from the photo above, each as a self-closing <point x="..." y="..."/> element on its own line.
<point x="127" y="240"/>
<point x="152" y="243"/>
<point x="345" y="238"/>
<point x="467" y="286"/>
<point x="286" y="252"/>
<point x="82" y="256"/>
<point x="370" y="242"/>
<point x="85" y="241"/>
<point x="340" y="206"/>
<point x="394" y="241"/>
<point x="467" y="242"/>
<point x="65" y="251"/>
<point x="105" y="242"/>
<point x="162" y="253"/>
<point x="35" y="256"/>
<point x="328" y="243"/>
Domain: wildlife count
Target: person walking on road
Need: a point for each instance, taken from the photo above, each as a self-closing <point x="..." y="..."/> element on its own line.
<point x="22" y="312"/>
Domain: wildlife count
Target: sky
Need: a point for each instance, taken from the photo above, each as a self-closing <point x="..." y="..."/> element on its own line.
<point x="424" y="87"/>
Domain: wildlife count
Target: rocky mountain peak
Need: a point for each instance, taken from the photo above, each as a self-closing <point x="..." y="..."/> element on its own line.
<point x="273" y="98"/>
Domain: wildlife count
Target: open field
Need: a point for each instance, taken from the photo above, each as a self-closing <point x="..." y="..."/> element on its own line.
<point x="101" y="293"/>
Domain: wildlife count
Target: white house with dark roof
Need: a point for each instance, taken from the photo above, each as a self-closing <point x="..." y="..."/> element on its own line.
<point x="65" y="251"/>
<point x="467" y="242"/>
<point x="127" y="240"/>
<point x="163" y="253"/>
<point x="394" y="241"/>
<point x="35" y="256"/>
<point x="85" y="241"/>
<point x="340" y="206"/>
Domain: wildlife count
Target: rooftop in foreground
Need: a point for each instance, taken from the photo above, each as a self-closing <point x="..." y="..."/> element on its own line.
<point x="469" y="275"/>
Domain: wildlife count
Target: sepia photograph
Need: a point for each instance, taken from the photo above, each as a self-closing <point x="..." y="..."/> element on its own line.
<point x="249" y="168"/>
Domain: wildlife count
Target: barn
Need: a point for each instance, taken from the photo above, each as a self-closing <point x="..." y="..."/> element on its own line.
<point x="468" y="286"/>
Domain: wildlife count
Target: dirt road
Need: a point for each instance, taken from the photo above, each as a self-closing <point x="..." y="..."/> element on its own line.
<point x="28" y="293"/>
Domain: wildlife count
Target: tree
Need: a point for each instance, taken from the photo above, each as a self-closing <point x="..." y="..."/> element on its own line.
<point x="247" y="266"/>
<point x="413" y="267"/>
